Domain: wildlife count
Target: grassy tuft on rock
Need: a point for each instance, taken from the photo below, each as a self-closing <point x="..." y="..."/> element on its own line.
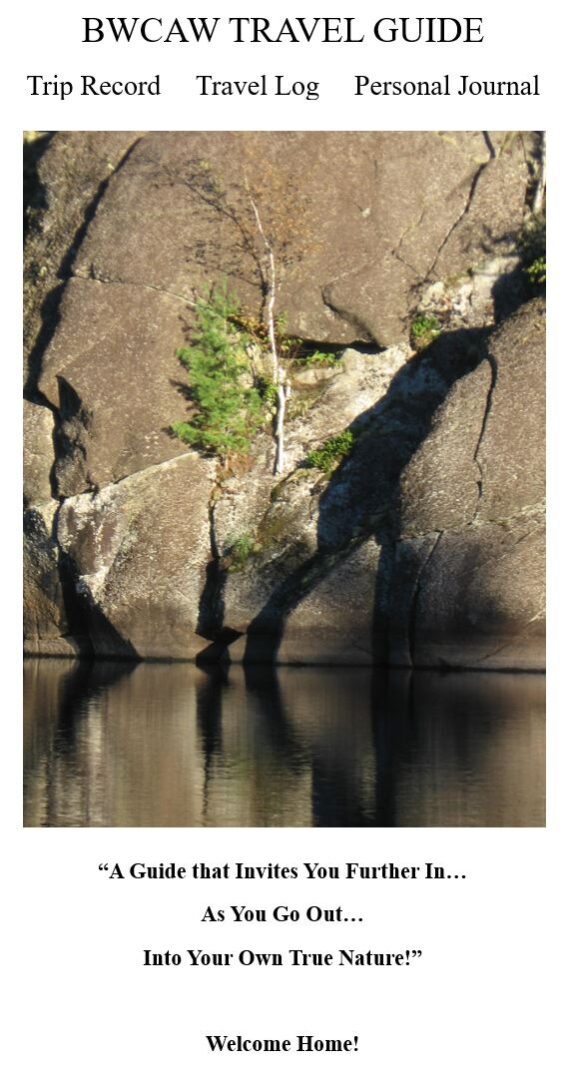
<point x="332" y="452"/>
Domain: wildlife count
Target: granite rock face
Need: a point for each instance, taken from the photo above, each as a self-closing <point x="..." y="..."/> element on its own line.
<point x="67" y="175"/>
<point x="402" y="209"/>
<point x="114" y="398"/>
<point x="38" y="453"/>
<point x="47" y="621"/>
<point x="424" y="546"/>
<point x="137" y="552"/>
<point x="481" y="600"/>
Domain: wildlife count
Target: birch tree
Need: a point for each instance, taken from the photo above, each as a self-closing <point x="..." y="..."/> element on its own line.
<point x="266" y="215"/>
<point x="279" y="374"/>
<point x="540" y="188"/>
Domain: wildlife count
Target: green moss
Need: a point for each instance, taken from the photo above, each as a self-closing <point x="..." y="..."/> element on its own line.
<point x="318" y="359"/>
<point x="240" y="551"/>
<point x="278" y="522"/>
<point x="536" y="271"/>
<point x="532" y="245"/>
<point x="424" y="329"/>
<point x="328" y="456"/>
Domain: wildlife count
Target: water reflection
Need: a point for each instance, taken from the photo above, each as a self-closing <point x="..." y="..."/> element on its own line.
<point x="171" y="745"/>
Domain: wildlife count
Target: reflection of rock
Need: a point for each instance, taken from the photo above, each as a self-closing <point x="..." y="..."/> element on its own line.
<point x="333" y="713"/>
<point x="245" y="729"/>
<point x="44" y="713"/>
<point x="169" y="745"/>
<point x="114" y="765"/>
<point x="481" y="735"/>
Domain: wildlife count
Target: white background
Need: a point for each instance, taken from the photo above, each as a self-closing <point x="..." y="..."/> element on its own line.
<point x="484" y="998"/>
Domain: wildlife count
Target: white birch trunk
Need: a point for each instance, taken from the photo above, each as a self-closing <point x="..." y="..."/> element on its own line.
<point x="278" y="371"/>
<point x="539" y="195"/>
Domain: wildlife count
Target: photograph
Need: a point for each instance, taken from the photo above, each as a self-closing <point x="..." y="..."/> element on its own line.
<point x="284" y="478"/>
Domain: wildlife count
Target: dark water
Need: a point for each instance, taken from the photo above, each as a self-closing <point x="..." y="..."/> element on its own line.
<point x="172" y="745"/>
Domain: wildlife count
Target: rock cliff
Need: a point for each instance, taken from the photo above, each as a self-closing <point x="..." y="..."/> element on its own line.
<point x="424" y="547"/>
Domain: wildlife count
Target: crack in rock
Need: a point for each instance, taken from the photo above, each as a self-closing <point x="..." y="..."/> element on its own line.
<point x="468" y="203"/>
<point x="343" y="313"/>
<point x="487" y="408"/>
<point x="93" y="275"/>
<point x="66" y="264"/>
<point x="412" y="619"/>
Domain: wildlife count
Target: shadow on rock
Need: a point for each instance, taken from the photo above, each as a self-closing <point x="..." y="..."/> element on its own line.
<point x="362" y="499"/>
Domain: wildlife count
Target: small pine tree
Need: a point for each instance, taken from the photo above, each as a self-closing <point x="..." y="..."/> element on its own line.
<point x="228" y="411"/>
